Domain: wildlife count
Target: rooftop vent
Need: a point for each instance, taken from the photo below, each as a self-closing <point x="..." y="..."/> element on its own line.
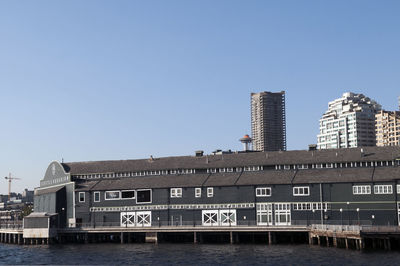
<point x="312" y="147"/>
<point x="199" y="153"/>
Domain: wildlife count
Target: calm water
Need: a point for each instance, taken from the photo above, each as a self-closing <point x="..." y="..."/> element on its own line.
<point x="183" y="254"/>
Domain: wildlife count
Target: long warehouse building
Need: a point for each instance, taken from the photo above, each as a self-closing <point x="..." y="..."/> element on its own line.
<point x="343" y="186"/>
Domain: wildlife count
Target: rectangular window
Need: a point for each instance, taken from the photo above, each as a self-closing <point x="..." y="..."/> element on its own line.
<point x="210" y="192"/>
<point x="383" y="189"/>
<point x="398" y="189"/>
<point x="112" y="195"/>
<point x="263" y="192"/>
<point x="143" y="196"/>
<point x="97" y="196"/>
<point x="212" y="170"/>
<point x="197" y="192"/>
<point x="176" y="192"/>
<point x="301" y="191"/>
<point x="81" y="196"/>
<point x="172" y="172"/>
<point x="222" y="170"/>
<point x="229" y="169"/>
<point x="361" y="190"/>
<point x="128" y="194"/>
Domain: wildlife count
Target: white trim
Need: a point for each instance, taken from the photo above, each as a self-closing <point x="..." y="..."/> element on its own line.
<point x="151" y="196"/>
<point x="300" y="191"/>
<point x="197" y="192"/>
<point x="383" y="189"/>
<point x="175" y="192"/>
<point x="128" y="190"/>
<point x="111" y="191"/>
<point x="79" y="195"/>
<point x="263" y="192"/>
<point x="361" y="189"/>
<point x="94" y="196"/>
<point x="210" y="192"/>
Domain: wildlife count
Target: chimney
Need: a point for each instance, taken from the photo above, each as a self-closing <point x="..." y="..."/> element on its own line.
<point x="312" y="147"/>
<point x="199" y="153"/>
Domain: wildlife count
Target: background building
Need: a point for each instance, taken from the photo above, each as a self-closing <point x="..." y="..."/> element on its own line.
<point x="387" y="128"/>
<point x="268" y="121"/>
<point x="348" y="123"/>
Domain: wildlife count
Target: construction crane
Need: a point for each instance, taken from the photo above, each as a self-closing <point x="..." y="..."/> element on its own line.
<point x="10" y="178"/>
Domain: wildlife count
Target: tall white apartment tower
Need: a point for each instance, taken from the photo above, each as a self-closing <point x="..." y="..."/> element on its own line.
<point x="268" y="121"/>
<point x="349" y="122"/>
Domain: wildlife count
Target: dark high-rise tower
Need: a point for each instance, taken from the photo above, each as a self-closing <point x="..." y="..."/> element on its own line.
<point x="268" y="121"/>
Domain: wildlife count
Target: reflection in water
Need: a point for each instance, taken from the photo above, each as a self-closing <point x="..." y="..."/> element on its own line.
<point x="198" y="254"/>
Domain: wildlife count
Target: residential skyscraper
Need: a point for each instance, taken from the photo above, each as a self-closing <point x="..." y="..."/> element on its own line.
<point x="268" y="121"/>
<point x="387" y="128"/>
<point x="349" y="122"/>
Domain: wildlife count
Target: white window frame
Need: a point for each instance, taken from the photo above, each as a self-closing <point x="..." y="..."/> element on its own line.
<point x="210" y="192"/>
<point x="176" y="192"/>
<point x="222" y="170"/>
<point x="263" y="192"/>
<point x="383" y="189"/>
<point x="212" y="170"/>
<point x="398" y="191"/>
<point x="81" y="193"/>
<point x="197" y="192"/>
<point x="94" y="196"/>
<point x="151" y="196"/>
<point x="362" y="190"/>
<point x="130" y="190"/>
<point x="229" y="169"/>
<point x="300" y="191"/>
<point x="111" y="191"/>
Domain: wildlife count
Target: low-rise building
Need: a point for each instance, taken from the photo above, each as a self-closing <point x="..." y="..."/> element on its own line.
<point x="346" y="186"/>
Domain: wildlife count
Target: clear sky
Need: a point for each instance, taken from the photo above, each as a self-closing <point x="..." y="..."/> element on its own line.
<point x="100" y="80"/>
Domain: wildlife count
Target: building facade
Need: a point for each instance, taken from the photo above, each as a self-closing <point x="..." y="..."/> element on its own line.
<point x="268" y="121"/>
<point x="349" y="122"/>
<point x="387" y="128"/>
<point x="347" y="186"/>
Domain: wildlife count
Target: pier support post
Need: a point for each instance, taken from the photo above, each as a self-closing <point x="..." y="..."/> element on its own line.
<point x="327" y="241"/>
<point x="151" y="237"/>
<point x="271" y="239"/>
<point x="122" y="237"/>
<point x="231" y="237"/>
<point x="194" y="238"/>
<point x="347" y="243"/>
<point x="319" y="241"/>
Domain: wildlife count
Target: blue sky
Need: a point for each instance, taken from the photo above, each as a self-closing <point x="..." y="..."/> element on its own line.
<point x="99" y="80"/>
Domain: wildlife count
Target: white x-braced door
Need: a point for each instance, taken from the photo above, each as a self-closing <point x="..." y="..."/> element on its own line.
<point x="127" y="219"/>
<point x="227" y="217"/>
<point x="209" y="217"/>
<point x="143" y="218"/>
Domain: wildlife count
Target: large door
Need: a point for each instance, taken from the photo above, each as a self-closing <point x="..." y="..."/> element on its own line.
<point x="282" y="214"/>
<point x="131" y="219"/>
<point x="128" y="219"/>
<point x="264" y="214"/>
<point x="209" y="217"/>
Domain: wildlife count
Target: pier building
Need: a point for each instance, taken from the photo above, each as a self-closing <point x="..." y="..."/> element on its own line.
<point x="353" y="186"/>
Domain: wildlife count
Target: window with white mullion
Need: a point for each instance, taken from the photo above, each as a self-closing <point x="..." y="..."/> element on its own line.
<point x="383" y="189"/>
<point x="263" y="192"/>
<point x="197" y="192"/>
<point x="176" y="192"/>
<point x="301" y="191"/>
<point x="361" y="190"/>
<point x="81" y="196"/>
